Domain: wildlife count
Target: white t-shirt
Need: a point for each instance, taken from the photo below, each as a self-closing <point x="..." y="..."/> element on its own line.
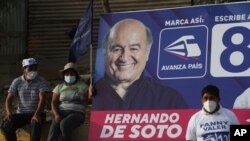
<point x="210" y="127"/>
<point x="243" y="100"/>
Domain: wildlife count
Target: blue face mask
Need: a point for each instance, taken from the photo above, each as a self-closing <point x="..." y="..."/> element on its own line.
<point x="70" y="79"/>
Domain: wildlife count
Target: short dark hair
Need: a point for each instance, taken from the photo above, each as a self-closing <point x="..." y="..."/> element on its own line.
<point x="211" y="89"/>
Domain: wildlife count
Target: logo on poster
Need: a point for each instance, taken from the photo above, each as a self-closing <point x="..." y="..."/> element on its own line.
<point x="184" y="48"/>
<point x="230" y="50"/>
<point x="182" y="52"/>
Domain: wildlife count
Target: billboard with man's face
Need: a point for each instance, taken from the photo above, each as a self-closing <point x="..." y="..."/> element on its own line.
<point x="181" y="50"/>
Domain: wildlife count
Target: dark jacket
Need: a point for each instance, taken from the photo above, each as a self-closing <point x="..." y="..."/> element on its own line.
<point x="143" y="94"/>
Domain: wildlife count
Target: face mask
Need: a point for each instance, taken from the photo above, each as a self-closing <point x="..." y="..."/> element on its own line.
<point x="31" y="75"/>
<point x="210" y="105"/>
<point x="69" y="79"/>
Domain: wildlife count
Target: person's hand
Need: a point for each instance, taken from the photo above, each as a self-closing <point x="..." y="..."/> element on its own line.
<point x="36" y="118"/>
<point x="57" y="118"/>
<point x="88" y="95"/>
<point x="8" y="116"/>
<point x="90" y="92"/>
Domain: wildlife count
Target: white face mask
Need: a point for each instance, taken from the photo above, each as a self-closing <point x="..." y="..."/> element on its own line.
<point x="210" y="105"/>
<point x="31" y="75"/>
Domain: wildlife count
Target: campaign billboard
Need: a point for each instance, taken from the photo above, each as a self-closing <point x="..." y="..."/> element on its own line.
<point x="191" y="47"/>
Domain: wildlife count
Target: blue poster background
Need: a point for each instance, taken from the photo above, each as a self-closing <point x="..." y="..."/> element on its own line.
<point x="207" y="26"/>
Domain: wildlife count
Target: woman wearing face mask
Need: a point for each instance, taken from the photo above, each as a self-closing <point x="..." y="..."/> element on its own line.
<point x="68" y="104"/>
<point x="213" y="121"/>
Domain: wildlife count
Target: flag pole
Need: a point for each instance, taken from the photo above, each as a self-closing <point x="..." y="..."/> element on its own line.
<point x="91" y="47"/>
<point x="91" y="68"/>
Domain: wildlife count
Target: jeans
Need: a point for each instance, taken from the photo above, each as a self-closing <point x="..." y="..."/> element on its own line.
<point x="70" y="120"/>
<point x="19" y="120"/>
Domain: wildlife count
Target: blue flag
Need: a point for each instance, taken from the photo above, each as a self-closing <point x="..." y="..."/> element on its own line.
<point x="82" y="38"/>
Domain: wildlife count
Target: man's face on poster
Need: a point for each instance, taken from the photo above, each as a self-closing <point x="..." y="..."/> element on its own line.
<point x="127" y="52"/>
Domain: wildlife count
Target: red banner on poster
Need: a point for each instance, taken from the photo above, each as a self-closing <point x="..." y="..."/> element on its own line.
<point x="145" y="125"/>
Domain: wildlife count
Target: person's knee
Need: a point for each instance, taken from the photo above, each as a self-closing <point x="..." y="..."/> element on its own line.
<point x="64" y="126"/>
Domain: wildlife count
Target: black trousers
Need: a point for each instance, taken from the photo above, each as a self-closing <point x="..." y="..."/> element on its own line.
<point x="70" y="120"/>
<point x="19" y="120"/>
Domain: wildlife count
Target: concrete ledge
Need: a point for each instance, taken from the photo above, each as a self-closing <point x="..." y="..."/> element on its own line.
<point x="80" y="133"/>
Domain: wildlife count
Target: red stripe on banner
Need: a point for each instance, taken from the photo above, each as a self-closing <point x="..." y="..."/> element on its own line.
<point x="145" y="124"/>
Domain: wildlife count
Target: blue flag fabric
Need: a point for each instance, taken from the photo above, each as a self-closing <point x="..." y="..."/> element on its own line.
<point x="82" y="38"/>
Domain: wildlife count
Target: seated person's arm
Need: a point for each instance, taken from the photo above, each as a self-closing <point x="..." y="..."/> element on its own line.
<point x="89" y="94"/>
<point x="8" y="106"/>
<point x="54" y="107"/>
<point x="40" y="107"/>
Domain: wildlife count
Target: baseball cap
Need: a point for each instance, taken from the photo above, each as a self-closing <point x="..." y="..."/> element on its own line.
<point x="29" y="62"/>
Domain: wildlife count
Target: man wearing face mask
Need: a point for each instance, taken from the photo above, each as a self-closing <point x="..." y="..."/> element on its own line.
<point x="213" y="121"/>
<point x="30" y="89"/>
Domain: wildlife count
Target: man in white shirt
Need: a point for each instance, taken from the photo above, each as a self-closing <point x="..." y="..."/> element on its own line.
<point x="212" y="122"/>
